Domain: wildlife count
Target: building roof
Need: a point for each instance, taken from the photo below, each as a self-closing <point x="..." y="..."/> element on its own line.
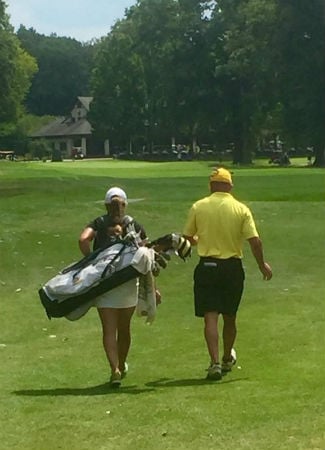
<point x="85" y="101"/>
<point x="63" y="126"/>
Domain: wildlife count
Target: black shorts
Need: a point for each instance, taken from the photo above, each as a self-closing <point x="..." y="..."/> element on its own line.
<point x="218" y="285"/>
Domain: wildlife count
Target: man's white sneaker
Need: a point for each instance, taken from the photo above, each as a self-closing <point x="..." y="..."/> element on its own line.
<point x="125" y="370"/>
<point x="228" y="365"/>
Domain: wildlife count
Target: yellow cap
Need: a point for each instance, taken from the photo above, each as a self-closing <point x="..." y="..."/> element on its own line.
<point x="221" y="175"/>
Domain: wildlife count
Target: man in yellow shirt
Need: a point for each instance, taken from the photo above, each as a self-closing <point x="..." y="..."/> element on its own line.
<point x="219" y="225"/>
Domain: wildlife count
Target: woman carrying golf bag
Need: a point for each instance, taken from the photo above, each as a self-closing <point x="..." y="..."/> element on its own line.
<point x="115" y="307"/>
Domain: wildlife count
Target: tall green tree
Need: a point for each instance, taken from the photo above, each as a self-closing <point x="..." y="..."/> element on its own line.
<point x="191" y="83"/>
<point x="153" y="29"/>
<point x="173" y="42"/>
<point x="168" y="40"/>
<point x="274" y="65"/>
<point x="64" y="71"/>
<point x="118" y="88"/>
<point x="300" y="62"/>
<point x="244" y="69"/>
<point x="16" y="70"/>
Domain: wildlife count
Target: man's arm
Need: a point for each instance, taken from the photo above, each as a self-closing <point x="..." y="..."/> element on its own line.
<point x="257" y="250"/>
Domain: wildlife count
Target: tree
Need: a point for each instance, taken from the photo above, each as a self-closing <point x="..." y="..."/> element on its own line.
<point x="226" y="70"/>
<point x="153" y="26"/>
<point x="245" y="69"/>
<point x="274" y="63"/>
<point x="301" y="72"/>
<point x="64" y="71"/>
<point x="164" y="43"/>
<point x="118" y="88"/>
<point x="16" y="70"/>
<point x="191" y="82"/>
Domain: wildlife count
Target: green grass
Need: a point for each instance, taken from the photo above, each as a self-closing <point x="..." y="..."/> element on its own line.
<point x="53" y="394"/>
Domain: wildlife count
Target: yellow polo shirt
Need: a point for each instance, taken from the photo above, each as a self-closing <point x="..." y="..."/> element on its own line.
<point x="221" y="224"/>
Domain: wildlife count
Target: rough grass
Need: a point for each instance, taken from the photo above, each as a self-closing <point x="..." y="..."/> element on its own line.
<point x="53" y="373"/>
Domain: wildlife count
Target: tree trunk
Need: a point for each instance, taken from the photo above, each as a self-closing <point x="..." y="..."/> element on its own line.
<point x="242" y="144"/>
<point x="241" y="151"/>
<point x="319" y="156"/>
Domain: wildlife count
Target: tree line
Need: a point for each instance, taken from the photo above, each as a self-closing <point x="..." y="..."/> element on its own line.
<point x="215" y="72"/>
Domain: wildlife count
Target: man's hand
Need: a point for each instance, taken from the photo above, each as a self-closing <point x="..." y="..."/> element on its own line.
<point x="266" y="271"/>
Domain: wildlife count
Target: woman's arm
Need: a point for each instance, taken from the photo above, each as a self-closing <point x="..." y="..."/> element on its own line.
<point x="85" y="239"/>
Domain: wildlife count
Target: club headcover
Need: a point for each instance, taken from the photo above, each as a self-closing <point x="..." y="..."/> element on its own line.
<point x="184" y="248"/>
<point x="173" y="241"/>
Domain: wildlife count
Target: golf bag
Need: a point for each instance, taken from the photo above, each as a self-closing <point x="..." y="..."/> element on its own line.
<point x="72" y="292"/>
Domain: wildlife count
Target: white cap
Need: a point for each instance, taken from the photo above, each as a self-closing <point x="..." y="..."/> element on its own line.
<point x="115" y="192"/>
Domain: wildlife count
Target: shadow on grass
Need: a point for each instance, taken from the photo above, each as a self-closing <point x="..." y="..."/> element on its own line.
<point x="167" y="382"/>
<point x="105" y="389"/>
<point x="101" y="389"/>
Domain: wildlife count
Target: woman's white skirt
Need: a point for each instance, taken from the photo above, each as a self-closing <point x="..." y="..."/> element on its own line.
<point x="123" y="296"/>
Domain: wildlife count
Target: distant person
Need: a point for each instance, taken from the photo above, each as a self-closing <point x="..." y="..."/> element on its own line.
<point x="310" y="154"/>
<point x="285" y="161"/>
<point x="219" y="225"/>
<point x="115" y="307"/>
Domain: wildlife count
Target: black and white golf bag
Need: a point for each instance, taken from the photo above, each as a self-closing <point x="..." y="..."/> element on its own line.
<point x="71" y="293"/>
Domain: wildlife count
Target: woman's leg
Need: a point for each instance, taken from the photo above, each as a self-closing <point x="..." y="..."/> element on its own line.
<point x="109" y="320"/>
<point x="124" y="334"/>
